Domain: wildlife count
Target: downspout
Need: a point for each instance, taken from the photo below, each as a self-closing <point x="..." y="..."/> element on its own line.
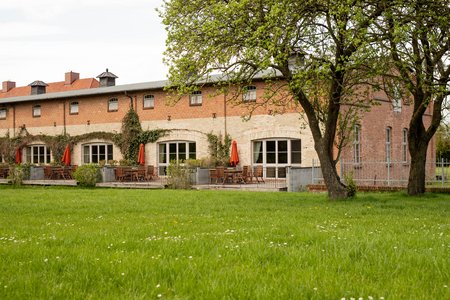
<point x="64" y="116"/>
<point x="14" y="120"/>
<point x="225" y="112"/>
<point x="131" y="100"/>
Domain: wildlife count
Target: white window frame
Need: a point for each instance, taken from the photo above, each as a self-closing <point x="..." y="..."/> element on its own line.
<point x="249" y="94"/>
<point x="405" y="145"/>
<point x="91" y="158"/>
<point x="74" y="108"/>
<point x="388" y="145"/>
<point x="277" y="166"/>
<point x="113" y="104"/>
<point x="2" y="113"/>
<point x="148" y="102"/>
<point x="195" y="98"/>
<point x="397" y="99"/>
<point x="37" y="111"/>
<point x="43" y="155"/>
<point x="357" y="144"/>
<point x="164" y="158"/>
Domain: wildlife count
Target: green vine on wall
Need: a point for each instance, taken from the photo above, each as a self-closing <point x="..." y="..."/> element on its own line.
<point x="128" y="141"/>
<point x="219" y="148"/>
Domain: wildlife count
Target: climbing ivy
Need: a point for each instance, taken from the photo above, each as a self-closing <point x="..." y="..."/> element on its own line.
<point x="128" y="140"/>
<point x="219" y="148"/>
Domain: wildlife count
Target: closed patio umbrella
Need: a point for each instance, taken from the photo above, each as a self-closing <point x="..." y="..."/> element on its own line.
<point x="18" y="156"/>
<point x="234" y="158"/>
<point x="141" y="155"/>
<point x="66" y="156"/>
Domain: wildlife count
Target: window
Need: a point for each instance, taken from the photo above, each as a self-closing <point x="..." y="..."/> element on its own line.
<point x="195" y="98"/>
<point x="36" y="111"/>
<point x="357" y="144"/>
<point x="37" y="154"/>
<point x="149" y="101"/>
<point x="73" y="108"/>
<point x="275" y="155"/>
<point x="113" y="104"/>
<point x="405" y="145"/>
<point x="249" y="94"/>
<point x="175" y="150"/>
<point x="397" y="98"/>
<point x="94" y="153"/>
<point x="388" y="144"/>
<point x="2" y="113"/>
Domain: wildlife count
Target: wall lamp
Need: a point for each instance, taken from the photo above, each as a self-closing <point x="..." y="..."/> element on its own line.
<point x="89" y="122"/>
<point x="169" y="118"/>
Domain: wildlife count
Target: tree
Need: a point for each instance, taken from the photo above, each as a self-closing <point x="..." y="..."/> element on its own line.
<point x="318" y="49"/>
<point x="417" y="38"/>
<point x="443" y="142"/>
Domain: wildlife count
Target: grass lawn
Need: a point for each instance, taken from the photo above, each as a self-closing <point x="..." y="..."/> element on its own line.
<point x="146" y="244"/>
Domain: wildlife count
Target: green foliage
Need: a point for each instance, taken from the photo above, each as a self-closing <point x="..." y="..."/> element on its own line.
<point x="87" y="175"/>
<point x="18" y="173"/>
<point x="351" y="185"/>
<point x="219" y="149"/>
<point x="443" y="142"/>
<point x="178" y="176"/>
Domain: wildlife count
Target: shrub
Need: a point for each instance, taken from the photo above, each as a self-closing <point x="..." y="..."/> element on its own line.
<point x="87" y="175"/>
<point x="178" y="176"/>
<point x="18" y="173"/>
<point x="351" y="185"/>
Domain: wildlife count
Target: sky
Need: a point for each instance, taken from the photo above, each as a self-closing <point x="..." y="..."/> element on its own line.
<point x="43" y="39"/>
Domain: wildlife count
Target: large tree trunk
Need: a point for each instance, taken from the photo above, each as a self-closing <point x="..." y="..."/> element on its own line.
<point x="336" y="189"/>
<point x="416" y="181"/>
<point x="418" y="144"/>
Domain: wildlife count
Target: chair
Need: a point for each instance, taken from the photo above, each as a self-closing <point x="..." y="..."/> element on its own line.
<point x="246" y="175"/>
<point x="213" y="176"/>
<point x="258" y="174"/>
<point x="220" y="173"/>
<point x="121" y="175"/>
<point x="141" y="173"/>
<point x="48" y="173"/>
<point x="150" y="172"/>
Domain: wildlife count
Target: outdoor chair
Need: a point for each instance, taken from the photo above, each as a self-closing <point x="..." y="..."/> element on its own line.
<point x="220" y="174"/>
<point x="141" y="173"/>
<point x="48" y="173"/>
<point x="121" y="175"/>
<point x="212" y="175"/>
<point x="258" y="174"/>
<point x="246" y="175"/>
<point x="150" y="172"/>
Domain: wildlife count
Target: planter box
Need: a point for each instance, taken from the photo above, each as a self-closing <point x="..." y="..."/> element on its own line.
<point x="108" y="174"/>
<point x="202" y="176"/>
<point x="36" y="173"/>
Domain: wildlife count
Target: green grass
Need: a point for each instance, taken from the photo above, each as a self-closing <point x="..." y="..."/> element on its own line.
<point x="74" y="243"/>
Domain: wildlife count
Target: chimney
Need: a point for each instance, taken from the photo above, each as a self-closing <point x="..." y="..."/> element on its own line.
<point x="8" y="85"/>
<point x="107" y="79"/>
<point x="70" y="77"/>
<point x="38" y="87"/>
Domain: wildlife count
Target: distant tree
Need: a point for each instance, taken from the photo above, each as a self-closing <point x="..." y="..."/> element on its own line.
<point x="416" y="37"/>
<point x="443" y="142"/>
<point x="319" y="49"/>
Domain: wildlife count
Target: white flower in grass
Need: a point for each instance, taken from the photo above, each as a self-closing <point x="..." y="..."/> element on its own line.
<point x="190" y="257"/>
<point x="381" y="298"/>
<point x="158" y="285"/>
<point x="159" y="296"/>
<point x="315" y="289"/>
<point x="123" y="274"/>
<point x="46" y="260"/>
<point x="370" y="298"/>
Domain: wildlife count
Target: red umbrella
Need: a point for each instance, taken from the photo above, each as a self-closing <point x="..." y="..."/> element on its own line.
<point x="18" y="156"/>
<point x="66" y="156"/>
<point x="234" y="158"/>
<point x="141" y="155"/>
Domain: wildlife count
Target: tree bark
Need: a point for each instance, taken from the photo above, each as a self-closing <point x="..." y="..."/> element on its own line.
<point x="416" y="180"/>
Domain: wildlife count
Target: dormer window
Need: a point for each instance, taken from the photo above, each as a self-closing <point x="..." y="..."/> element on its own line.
<point x="249" y="94"/>
<point x="38" y="87"/>
<point x="149" y="102"/>
<point x="73" y="110"/>
<point x="113" y="104"/>
<point x="36" y="111"/>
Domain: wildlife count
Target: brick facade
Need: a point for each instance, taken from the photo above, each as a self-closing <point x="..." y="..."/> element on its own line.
<point x="217" y="114"/>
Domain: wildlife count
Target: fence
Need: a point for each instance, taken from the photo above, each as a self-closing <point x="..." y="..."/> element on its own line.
<point x="381" y="173"/>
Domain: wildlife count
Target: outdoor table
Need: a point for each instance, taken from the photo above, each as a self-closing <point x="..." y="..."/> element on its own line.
<point x="233" y="174"/>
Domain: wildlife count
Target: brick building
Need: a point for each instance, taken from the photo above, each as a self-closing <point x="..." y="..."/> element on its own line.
<point x="76" y="106"/>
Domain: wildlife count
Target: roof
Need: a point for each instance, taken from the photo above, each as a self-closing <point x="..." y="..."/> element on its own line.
<point x="107" y="74"/>
<point x="57" y="90"/>
<point x="52" y="88"/>
<point x="38" y="83"/>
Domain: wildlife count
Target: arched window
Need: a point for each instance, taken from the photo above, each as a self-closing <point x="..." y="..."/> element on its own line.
<point x="405" y="145"/>
<point x="388" y="145"/>
<point x="276" y="154"/>
<point x="175" y="150"/>
<point x="37" y="154"/>
<point x="96" y="152"/>
<point x="357" y="144"/>
<point x="113" y="104"/>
